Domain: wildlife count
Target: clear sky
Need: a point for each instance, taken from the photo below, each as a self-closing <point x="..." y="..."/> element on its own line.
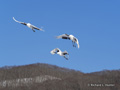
<point x="96" y="24"/>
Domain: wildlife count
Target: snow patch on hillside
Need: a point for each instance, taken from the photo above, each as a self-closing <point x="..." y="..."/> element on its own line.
<point x="27" y="81"/>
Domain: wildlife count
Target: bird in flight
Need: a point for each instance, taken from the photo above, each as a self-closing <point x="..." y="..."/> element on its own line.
<point x="59" y="52"/>
<point x="69" y="37"/>
<point x="29" y="25"/>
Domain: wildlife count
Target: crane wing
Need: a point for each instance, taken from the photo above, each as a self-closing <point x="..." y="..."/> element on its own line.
<point x="37" y="28"/>
<point x="54" y="51"/>
<point x="77" y="43"/>
<point x="63" y="36"/>
<point x="65" y="52"/>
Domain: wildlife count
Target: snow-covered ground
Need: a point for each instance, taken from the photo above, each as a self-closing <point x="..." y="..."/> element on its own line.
<point x="27" y="81"/>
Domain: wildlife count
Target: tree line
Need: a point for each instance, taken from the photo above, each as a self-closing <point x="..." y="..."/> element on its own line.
<point x="68" y="79"/>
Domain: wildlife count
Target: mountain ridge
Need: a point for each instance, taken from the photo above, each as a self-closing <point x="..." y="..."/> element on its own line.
<point x="64" y="79"/>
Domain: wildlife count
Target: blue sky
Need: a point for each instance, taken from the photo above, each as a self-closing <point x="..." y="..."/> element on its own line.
<point x="96" y="23"/>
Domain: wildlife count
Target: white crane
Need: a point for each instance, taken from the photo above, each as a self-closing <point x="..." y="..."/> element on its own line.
<point x="29" y="25"/>
<point x="70" y="37"/>
<point x="59" y="52"/>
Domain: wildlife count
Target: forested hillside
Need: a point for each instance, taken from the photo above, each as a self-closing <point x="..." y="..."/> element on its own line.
<point x="50" y="77"/>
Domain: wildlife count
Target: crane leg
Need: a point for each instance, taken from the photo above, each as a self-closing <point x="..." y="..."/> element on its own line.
<point x="73" y="43"/>
<point x="33" y="30"/>
<point x="65" y="58"/>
